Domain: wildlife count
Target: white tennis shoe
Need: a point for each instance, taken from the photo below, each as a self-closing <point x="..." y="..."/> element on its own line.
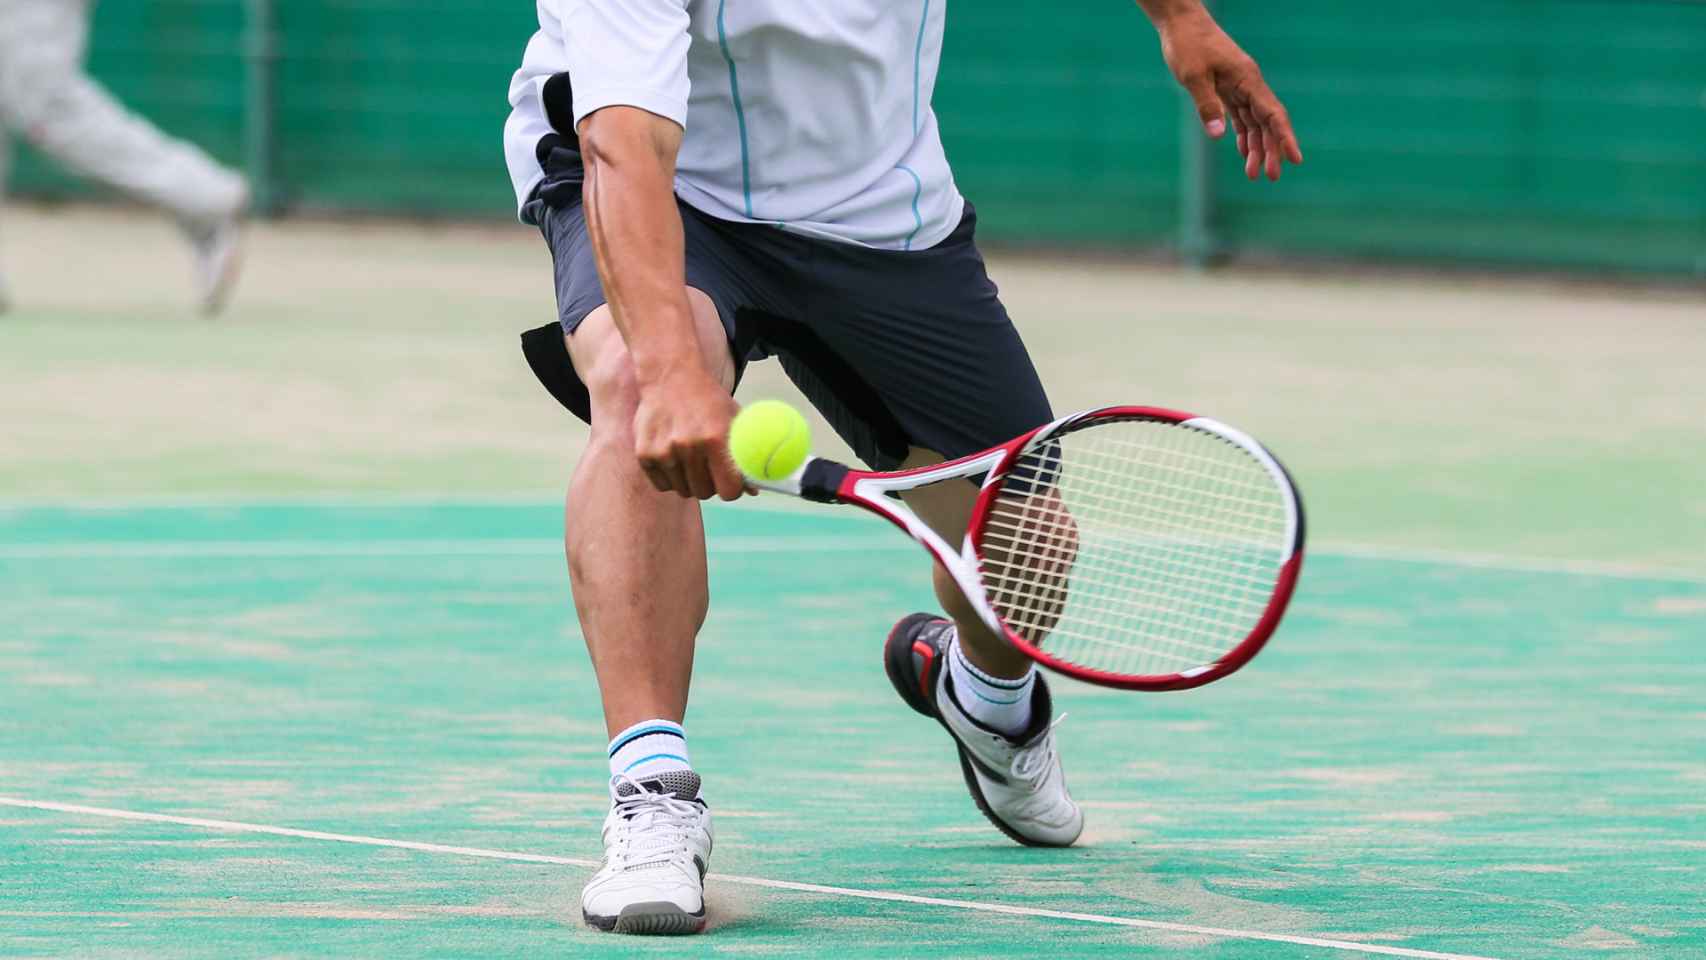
<point x="1016" y="781"/>
<point x="217" y="247"/>
<point x="657" y="847"/>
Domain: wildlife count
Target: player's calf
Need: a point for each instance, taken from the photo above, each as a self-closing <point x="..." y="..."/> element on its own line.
<point x="636" y="556"/>
<point x="994" y="680"/>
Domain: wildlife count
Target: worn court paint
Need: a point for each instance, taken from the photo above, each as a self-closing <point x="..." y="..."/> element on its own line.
<point x="790" y="886"/>
<point x="1457" y="760"/>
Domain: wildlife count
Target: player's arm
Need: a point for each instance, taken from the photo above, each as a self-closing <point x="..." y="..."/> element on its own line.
<point x="628" y="60"/>
<point x="681" y="427"/>
<point x="1223" y="80"/>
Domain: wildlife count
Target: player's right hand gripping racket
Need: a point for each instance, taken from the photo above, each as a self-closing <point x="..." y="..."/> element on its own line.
<point x="1131" y="547"/>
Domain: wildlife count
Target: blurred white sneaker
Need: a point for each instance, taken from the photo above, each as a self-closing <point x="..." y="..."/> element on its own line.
<point x="657" y="847"/>
<point x="218" y="251"/>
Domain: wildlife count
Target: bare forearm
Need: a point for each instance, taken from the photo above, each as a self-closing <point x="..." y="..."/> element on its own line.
<point x="636" y="235"/>
<point x="1162" y="11"/>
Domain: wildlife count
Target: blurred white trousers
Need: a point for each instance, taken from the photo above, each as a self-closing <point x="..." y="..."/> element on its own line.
<point x="47" y="98"/>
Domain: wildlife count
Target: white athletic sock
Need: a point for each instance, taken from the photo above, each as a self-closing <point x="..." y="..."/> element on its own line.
<point x="649" y="748"/>
<point x="1001" y="705"/>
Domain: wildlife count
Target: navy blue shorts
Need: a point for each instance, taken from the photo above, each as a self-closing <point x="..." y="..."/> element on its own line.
<point x="896" y="349"/>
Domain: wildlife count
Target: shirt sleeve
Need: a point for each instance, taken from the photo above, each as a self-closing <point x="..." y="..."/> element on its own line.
<point x="628" y="53"/>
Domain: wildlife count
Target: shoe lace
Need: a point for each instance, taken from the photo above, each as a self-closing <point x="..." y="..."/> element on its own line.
<point x="1033" y="763"/>
<point x="652" y="828"/>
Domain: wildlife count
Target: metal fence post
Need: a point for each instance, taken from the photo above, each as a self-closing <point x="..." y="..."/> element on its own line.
<point x="260" y="117"/>
<point x="1198" y="244"/>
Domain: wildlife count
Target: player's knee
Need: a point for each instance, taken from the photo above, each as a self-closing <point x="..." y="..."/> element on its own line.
<point x="613" y="388"/>
<point x="610" y="378"/>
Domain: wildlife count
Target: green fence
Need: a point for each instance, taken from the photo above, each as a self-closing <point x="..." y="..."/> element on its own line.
<point x="1554" y="132"/>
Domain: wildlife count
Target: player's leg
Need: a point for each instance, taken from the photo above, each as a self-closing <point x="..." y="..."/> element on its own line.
<point x="919" y="361"/>
<point x="638" y="573"/>
<point x="947" y="509"/>
<point x="636" y="556"/>
<point x="928" y="337"/>
<point x="57" y="107"/>
<point x="637" y="565"/>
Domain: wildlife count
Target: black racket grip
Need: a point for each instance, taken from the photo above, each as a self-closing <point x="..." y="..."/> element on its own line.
<point x="821" y="481"/>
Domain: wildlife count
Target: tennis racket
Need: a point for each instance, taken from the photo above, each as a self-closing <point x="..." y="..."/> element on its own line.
<point x="1131" y="547"/>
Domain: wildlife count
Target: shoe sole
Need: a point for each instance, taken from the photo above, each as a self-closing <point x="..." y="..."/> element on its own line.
<point x="649" y="919"/>
<point x="896" y="655"/>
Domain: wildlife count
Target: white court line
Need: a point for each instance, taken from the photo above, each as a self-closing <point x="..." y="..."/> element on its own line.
<point x="543" y="546"/>
<point x="473" y="547"/>
<point x="239" y="501"/>
<point x="768" y="503"/>
<point x="100" y="549"/>
<point x="819" y="889"/>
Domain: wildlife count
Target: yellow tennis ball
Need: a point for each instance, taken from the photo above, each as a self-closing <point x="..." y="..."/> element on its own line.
<point x="769" y="440"/>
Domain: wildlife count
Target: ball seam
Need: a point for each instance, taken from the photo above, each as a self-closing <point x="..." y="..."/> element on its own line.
<point x="770" y="458"/>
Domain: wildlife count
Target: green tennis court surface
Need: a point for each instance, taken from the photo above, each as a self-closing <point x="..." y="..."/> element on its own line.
<point x="1431" y="756"/>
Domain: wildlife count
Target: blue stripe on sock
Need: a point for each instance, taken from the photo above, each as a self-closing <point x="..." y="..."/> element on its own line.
<point x="647" y="732"/>
<point x="655" y="756"/>
<point x="1004" y="703"/>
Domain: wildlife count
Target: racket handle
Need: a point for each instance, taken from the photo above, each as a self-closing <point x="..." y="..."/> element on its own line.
<point x="820" y="480"/>
<point x="817" y="480"/>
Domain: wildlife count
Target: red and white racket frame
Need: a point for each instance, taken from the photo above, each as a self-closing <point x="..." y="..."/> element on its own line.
<point x="825" y="481"/>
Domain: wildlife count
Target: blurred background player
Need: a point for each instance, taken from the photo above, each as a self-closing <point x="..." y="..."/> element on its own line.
<point x="47" y="99"/>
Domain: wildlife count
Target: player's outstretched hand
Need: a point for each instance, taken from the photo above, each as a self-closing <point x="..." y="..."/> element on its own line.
<point x="681" y="434"/>
<point x="1224" y="81"/>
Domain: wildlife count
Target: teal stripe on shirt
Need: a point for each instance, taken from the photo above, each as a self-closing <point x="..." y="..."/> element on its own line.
<point x="740" y="112"/>
<point x="918" y="66"/>
<point x="917" y="193"/>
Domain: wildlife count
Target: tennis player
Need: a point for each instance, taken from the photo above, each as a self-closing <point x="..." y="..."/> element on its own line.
<point x="47" y="98"/>
<point x="725" y="180"/>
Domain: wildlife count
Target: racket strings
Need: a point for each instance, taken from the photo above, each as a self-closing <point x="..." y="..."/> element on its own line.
<point x="1189" y="576"/>
<point x="1135" y="547"/>
<point x="1173" y="629"/>
<point x="1137" y="609"/>
<point x="1196" y="566"/>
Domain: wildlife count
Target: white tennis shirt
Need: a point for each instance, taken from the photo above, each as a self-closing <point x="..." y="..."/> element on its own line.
<point x="813" y="116"/>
